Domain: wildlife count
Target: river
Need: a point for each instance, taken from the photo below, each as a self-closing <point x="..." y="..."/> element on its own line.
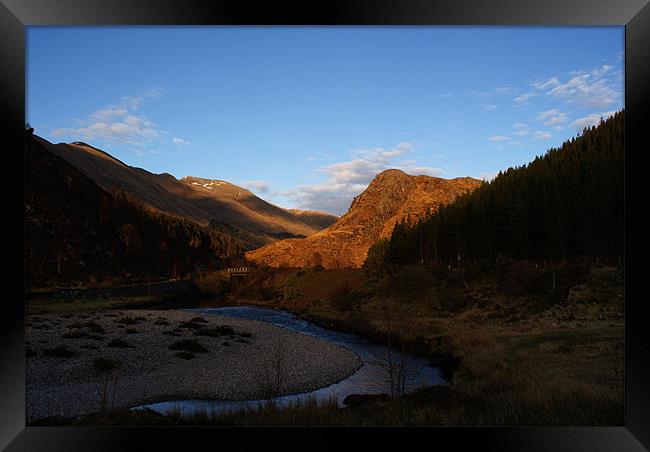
<point x="370" y="378"/>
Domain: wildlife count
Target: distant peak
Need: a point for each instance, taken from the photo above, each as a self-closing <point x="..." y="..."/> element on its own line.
<point x="389" y="176"/>
<point x="167" y="175"/>
<point x="392" y="172"/>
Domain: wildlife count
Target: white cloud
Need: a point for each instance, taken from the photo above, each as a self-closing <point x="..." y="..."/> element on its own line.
<point x="488" y="176"/>
<point x="600" y="87"/>
<point x="587" y="90"/>
<point x="553" y="81"/>
<point x="346" y="179"/>
<point x="506" y="89"/>
<point x="180" y="142"/>
<point x="120" y="123"/>
<point x="524" y="97"/>
<point x="258" y="186"/>
<point x="116" y="132"/>
<point x="604" y="69"/>
<point x="552" y="117"/>
<point x="497" y="138"/>
<point x="541" y="135"/>
<point x="108" y="114"/>
<point x="134" y="102"/>
<point x="519" y="125"/>
<point x="490" y="107"/>
<point x="521" y="133"/>
<point x="500" y="91"/>
<point x="591" y="120"/>
<point x="335" y="199"/>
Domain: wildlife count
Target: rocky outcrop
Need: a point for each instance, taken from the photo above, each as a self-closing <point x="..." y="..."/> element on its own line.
<point x="391" y="197"/>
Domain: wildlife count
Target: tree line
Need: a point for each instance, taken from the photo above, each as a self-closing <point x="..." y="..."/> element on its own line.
<point x="566" y="203"/>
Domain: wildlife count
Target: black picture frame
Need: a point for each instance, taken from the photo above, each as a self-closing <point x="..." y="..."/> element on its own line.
<point x="16" y="15"/>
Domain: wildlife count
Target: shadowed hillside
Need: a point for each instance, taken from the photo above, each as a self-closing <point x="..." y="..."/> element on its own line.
<point x="236" y="210"/>
<point x="77" y="231"/>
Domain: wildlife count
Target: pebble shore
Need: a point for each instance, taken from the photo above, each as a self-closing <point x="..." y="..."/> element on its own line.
<point x="237" y="365"/>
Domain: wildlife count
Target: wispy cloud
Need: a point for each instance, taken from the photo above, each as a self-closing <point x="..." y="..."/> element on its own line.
<point x="120" y="123"/>
<point x="488" y="176"/>
<point x="591" y="120"/>
<point x="552" y="117"/>
<point x="505" y="90"/>
<point x="346" y="179"/>
<point x="498" y="138"/>
<point x="541" y="135"/>
<point x="602" y="70"/>
<point x="598" y="88"/>
<point x="258" y="186"/>
<point x="180" y="142"/>
<point x="523" y="98"/>
<point x="553" y="81"/>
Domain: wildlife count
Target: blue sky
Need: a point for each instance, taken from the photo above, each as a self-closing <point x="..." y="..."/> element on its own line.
<point x="306" y="116"/>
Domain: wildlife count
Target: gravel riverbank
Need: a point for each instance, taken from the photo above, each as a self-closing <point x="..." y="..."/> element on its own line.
<point x="212" y="357"/>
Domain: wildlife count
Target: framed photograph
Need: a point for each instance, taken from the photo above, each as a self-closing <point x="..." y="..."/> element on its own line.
<point x="325" y="219"/>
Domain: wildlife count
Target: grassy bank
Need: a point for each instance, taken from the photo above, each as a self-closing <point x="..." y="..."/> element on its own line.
<point x="515" y="352"/>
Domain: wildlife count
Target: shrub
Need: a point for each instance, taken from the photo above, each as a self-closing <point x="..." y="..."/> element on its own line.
<point x="222" y="330"/>
<point x="523" y="278"/>
<point x="188" y="345"/>
<point x="190" y="325"/>
<point x="89" y="346"/>
<point x="104" y="365"/>
<point x="75" y="335"/>
<point x="411" y="281"/>
<point x="118" y="343"/>
<point x="93" y="327"/>
<point x="171" y="333"/>
<point x="60" y="351"/>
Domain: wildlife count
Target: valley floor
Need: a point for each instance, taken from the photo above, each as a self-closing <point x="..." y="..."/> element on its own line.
<point x="510" y="359"/>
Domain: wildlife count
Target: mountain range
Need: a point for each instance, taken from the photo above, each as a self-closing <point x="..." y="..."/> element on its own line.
<point x="273" y="236"/>
<point x="220" y="204"/>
